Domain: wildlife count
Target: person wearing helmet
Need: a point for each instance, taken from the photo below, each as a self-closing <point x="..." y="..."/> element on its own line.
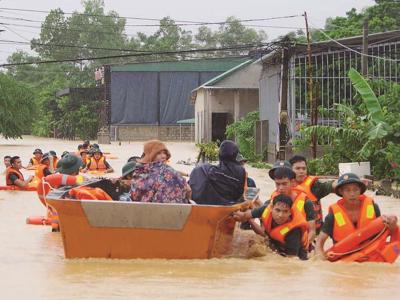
<point x="43" y="169"/>
<point x="284" y="179"/>
<point x="352" y="212"/>
<point x="312" y="186"/>
<point x="35" y="160"/>
<point x="98" y="162"/>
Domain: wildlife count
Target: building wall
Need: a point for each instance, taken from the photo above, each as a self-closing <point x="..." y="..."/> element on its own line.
<point x="248" y="101"/>
<point x="236" y="102"/>
<point x="245" y="78"/>
<point x="148" y="132"/>
<point x="270" y="86"/>
<point x="199" y="115"/>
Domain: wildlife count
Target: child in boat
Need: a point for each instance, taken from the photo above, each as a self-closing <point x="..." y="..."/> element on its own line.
<point x="285" y="228"/>
<point x="354" y="211"/>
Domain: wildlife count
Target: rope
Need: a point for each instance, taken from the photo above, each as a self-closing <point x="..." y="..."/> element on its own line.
<point x="361" y="247"/>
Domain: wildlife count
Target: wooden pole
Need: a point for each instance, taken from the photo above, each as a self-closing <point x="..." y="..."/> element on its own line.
<point x="364" y="58"/>
<point x="310" y="86"/>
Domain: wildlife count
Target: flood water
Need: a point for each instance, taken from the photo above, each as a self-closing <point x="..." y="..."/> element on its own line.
<point x="32" y="263"/>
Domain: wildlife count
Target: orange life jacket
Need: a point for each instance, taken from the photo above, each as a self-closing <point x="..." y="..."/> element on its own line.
<point x="279" y="232"/>
<point x="39" y="173"/>
<point x="55" y="181"/>
<point x="97" y="165"/>
<point x="55" y="162"/>
<point x="299" y="199"/>
<point x="369" y="243"/>
<point x="343" y="226"/>
<point x="11" y="170"/>
<point x="305" y="186"/>
<point x="35" y="162"/>
<point x="89" y="193"/>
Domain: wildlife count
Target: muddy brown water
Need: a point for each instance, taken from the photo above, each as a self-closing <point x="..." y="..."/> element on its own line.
<point x="32" y="263"/>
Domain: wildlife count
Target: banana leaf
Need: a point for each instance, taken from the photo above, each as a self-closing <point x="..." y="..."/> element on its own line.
<point x="368" y="96"/>
<point x="379" y="131"/>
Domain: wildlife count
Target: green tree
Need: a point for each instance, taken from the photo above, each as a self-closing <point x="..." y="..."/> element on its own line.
<point x="229" y="34"/>
<point x="17" y="109"/>
<point x="383" y="16"/>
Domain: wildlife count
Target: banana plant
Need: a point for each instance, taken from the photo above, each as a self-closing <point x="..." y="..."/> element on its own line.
<point x="379" y="128"/>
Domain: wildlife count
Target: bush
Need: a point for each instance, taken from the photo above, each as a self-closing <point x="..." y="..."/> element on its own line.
<point x="260" y="165"/>
<point x="243" y="132"/>
<point x="370" y="131"/>
<point x="208" y="151"/>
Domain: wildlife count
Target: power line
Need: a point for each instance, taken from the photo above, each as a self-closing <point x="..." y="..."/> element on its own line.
<point x="127" y="34"/>
<point x="240" y="47"/>
<point x="70" y="46"/>
<point x="355" y="51"/>
<point x="16" y="33"/>
<point x="50" y="45"/>
<point x="158" y="25"/>
<point x="154" y="19"/>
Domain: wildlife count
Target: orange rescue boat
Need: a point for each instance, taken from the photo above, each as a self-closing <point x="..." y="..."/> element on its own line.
<point x="126" y="230"/>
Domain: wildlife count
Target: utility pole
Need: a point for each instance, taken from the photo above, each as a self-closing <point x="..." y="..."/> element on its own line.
<point x="364" y="58"/>
<point x="310" y="87"/>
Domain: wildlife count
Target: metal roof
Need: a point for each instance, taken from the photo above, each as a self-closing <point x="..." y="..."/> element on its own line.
<point x="198" y="65"/>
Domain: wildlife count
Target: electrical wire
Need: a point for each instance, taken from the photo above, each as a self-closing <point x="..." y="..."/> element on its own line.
<point x="154" y="19"/>
<point x="102" y="48"/>
<point x="355" y="51"/>
<point x="232" y="48"/>
<point x="71" y="46"/>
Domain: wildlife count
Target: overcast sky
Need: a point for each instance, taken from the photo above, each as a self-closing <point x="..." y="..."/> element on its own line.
<point x="203" y="10"/>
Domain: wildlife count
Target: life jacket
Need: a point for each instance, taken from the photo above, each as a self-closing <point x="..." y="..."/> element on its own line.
<point x="97" y="165"/>
<point x="55" y="181"/>
<point x="89" y="193"/>
<point x="369" y="243"/>
<point x="55" y="162"/>
<point x="343" y="226"/>
<point x="35" y="161"/>
<point x="11" y="170"/>
<point x="39" y="172"/>
<point x="299" y="199"/>
<point x="279" y="232"/>
<point x="305" y="186"/>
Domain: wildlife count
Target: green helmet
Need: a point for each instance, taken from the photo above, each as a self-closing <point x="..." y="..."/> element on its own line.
<point x="348" y="178"/>
<point x="128" y="168"/>
<point x="279" y="164"/>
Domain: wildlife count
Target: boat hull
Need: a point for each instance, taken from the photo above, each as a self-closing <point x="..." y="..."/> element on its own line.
<point x="126" y="230"/>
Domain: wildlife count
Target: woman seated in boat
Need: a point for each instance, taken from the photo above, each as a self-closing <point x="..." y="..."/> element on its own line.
<point x="155" y="181"/>
<point x="350" y="214"/>
<point x="98" y="163"/>
<point x="219" y="185"/>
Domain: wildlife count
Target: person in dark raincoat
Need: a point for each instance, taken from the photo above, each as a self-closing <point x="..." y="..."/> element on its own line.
<point x="222" y="184"/>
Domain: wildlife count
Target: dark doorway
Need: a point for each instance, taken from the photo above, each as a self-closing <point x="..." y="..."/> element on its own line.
<point x="219" y="123"/>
